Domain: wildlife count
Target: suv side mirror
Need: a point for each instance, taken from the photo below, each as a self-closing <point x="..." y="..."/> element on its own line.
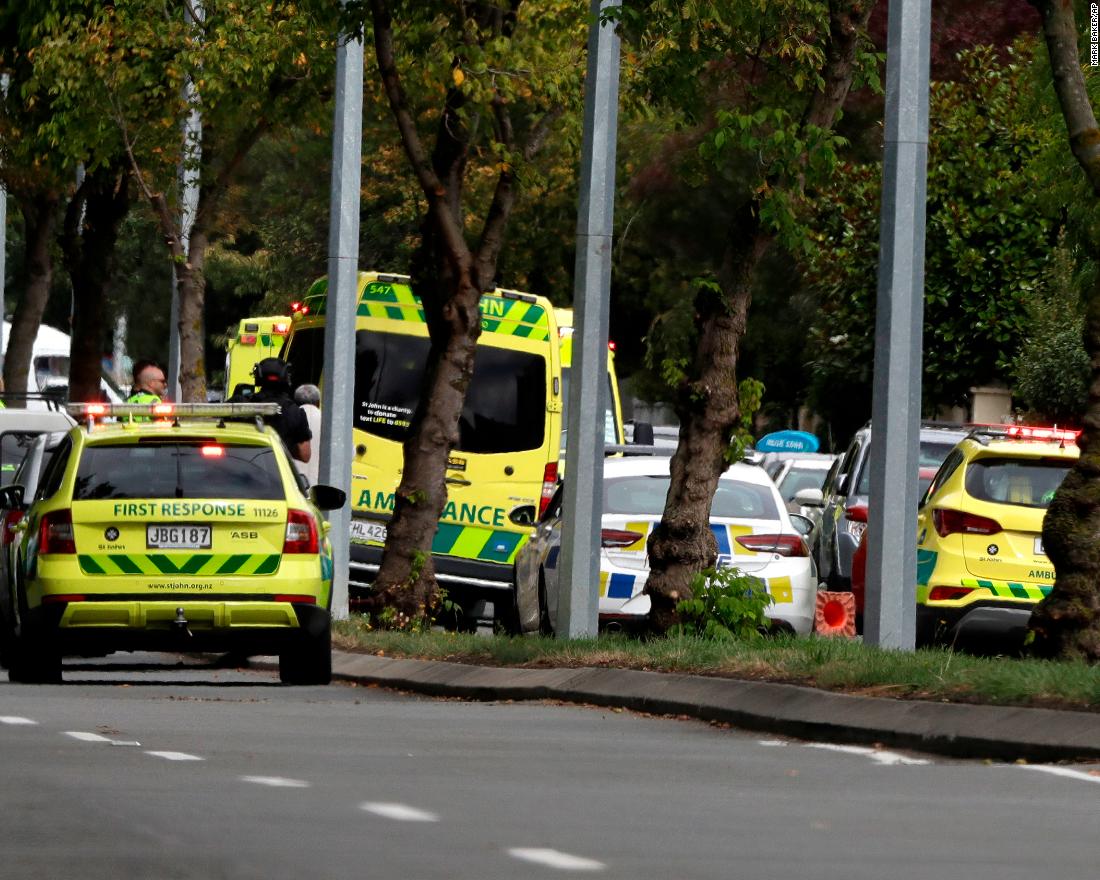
<point x="327" y="497"/>
<point x="11" y="497"/>
<point x="802" y="524"/>
<point x="809" y="497"/>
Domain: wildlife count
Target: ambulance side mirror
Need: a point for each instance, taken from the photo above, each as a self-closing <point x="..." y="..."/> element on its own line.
<point x="327" y="497"/>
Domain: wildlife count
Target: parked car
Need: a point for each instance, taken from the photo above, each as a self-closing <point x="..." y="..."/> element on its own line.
<point x="981" y="564"/>
<point x="795" y="471"/>
<point x="27" y="474"/>
<point x="754" y="531"/>
<point x="848" y="483"/>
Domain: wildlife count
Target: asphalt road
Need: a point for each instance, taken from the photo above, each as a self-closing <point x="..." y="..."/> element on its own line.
<point x="198" y="772"/>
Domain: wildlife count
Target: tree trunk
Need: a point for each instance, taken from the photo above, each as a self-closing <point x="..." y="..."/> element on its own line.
<point x="191" y="281"/>
<point x="682" y="544"/>
<point x="406" y="578"/>
<point x="39" y="217"/>
<point x="449" y="278"/>
<point x="1067" y="622"/>
<point x="89" y="251"/>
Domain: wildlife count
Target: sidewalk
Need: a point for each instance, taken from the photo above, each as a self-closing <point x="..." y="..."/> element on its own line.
<point x="958" y="730"/>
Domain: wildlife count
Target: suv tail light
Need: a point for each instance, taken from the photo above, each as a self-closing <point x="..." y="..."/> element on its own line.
<point x="301" y="533"/>
<point x="948" y="522"/>
<point x="618" y="538"/>
<point x="784" y="545"/>
<point x="55" y="533"/>
<point x="549" y="485"/>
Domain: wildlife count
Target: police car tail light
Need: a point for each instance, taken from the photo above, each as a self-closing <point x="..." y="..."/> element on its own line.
<point x="549" y="485"/>
<point x="784" y="545"/>
<point x="301" y="533"/>
<point x="947" y="594"/>
<point x="55" y="533"/>
<point x="948" y="522"/>
<point x="619" y="538"/>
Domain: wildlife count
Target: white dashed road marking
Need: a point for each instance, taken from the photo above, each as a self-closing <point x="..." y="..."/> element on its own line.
<point x="85" y="736"/>
<point x="398" y="812"/>
<point x="276" y="781"/>
<point x="1062" y="771"/>
<point x="552" y="858"/>
<point x="882" y="757"/>
<point x="771" y="743"/>
<point x="15" y="719"/>
<point x="175" y="756"/>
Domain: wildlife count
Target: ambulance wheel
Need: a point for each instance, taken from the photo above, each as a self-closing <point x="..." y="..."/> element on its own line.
<point x="309" y="661"/>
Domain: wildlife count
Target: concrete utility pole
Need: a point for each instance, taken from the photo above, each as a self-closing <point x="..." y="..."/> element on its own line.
<point x="191" y="157"/>
<point x="587" y="408"/>
<point x="342" y="299"/>
<point x="890" y="613"/>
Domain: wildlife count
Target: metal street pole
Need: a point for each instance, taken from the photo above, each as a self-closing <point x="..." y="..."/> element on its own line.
<point x="584" y="454"/>
<point x="190" y="159"/>
<point x="890" y="612"/>
<point x="335" y="444"/>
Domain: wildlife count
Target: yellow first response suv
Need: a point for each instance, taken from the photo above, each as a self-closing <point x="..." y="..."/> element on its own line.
<point x="175" y="528"/>
<point x="981" y="567"/>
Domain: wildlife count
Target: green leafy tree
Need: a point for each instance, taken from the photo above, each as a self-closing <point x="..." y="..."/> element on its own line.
<point x="115" y="77"/>
<point x="988" y="243"/>
<point x="475" y="88"/>
<point x="1052" y="369"/>
<point x="785" y="69"/>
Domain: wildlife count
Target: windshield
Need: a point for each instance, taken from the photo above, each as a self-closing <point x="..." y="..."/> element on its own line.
<point x="609" y="427"/>
<point x="1015" y="481"/>
<point x="645" y="496"/>
<point x="178" y="470"/>
<point x="505" y="408"/>
<point x="932" y="453"/>
<point x="797" y="479"/>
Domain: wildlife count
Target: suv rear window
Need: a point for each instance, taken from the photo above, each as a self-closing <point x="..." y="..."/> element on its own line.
<point x="178" y="470"/>
<point x="1015" y="481"/>
<point x="645" y="496"/>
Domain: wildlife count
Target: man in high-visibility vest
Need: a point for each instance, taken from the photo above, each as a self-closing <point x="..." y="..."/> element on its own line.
<point x="149" y="383"/>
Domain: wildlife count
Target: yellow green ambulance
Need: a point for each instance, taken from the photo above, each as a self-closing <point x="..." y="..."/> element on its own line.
<point x="504" y="469"/>
<point x="255" y="339"/>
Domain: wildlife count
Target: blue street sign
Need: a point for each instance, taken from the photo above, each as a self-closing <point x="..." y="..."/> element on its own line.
<point x="787" y="441"/>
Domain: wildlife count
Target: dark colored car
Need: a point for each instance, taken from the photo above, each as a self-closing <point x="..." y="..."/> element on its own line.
<point x="849" y="484"/>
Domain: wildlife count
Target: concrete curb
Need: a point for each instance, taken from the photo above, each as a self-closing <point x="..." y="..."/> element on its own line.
<point x="994" y="732"/>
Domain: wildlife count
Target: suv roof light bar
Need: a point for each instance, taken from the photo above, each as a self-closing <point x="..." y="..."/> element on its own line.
<point x="165" y="410"/>
<point x="984" y="433"/>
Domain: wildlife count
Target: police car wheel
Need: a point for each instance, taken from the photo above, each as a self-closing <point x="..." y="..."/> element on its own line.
<point x="309" y="661"/>
<point x="546" y="628"/>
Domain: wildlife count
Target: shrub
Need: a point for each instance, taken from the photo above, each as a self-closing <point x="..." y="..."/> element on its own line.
<point x="725" y="604"/>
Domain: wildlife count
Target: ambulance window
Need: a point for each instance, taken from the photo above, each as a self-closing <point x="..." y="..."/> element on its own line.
<point x="306" y="356"/>
<point x="505" y="407"/>
<point x="178" y="470"/>
<point x="1021" y="482"/>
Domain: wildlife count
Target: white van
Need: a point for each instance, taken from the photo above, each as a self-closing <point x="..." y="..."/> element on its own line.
<point x="49" y="370"/>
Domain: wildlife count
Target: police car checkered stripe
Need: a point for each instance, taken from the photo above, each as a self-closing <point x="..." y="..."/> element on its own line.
<point x="178" y="563"/>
